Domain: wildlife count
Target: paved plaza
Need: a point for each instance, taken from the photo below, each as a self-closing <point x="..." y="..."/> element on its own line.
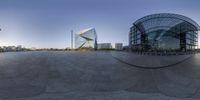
<point x="59" y="75"/>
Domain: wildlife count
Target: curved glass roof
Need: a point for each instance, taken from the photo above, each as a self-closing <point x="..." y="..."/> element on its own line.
<point x="166" y="21"/>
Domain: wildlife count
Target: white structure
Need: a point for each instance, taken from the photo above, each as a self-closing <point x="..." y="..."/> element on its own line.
<point x="104" y="46"/>
<point x="118" y="46"/>
<point x="86" y="39"/>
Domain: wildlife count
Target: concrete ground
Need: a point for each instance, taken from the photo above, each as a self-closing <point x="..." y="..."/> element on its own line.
<point x="98" y="76"/>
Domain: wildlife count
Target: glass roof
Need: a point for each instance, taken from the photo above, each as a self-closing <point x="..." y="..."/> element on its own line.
<point x="166" y="21"/>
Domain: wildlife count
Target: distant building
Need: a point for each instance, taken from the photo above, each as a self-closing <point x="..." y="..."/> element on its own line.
<point x="118" y="46"/>
<point x="104" y="46"/>
<point x="86" y="39"/>
<point x="33" y="48"/>
<point x="12" y="48"/>
<point x="19" y="48"/>
<point x="1" y="49"/>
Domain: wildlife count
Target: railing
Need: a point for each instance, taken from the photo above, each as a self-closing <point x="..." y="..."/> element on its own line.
<point x="166" y="53"/>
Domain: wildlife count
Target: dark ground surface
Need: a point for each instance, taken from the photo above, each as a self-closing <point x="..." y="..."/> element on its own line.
<point x="98" y="76"/>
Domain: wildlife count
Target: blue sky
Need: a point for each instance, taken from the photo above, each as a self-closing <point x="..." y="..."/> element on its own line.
<point x="47" y="23"/>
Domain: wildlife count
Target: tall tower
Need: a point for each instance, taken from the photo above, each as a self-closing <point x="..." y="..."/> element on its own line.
<point x="72" y="36"/>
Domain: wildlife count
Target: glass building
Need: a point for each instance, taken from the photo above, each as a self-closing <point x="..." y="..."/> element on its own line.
<point x="164" y="31"/>
<point x="86" y="39"/>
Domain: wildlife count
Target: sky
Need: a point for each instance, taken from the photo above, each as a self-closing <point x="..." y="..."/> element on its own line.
<point x="48" y="23"/>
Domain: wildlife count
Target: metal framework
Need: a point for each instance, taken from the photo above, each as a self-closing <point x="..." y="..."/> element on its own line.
<point x="170" y="23"/>
<point x="166" y="20"/>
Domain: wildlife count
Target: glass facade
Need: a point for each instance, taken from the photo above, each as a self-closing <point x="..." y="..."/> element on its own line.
<point x="86" y="39"/>
<point x="164" y="32"/>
